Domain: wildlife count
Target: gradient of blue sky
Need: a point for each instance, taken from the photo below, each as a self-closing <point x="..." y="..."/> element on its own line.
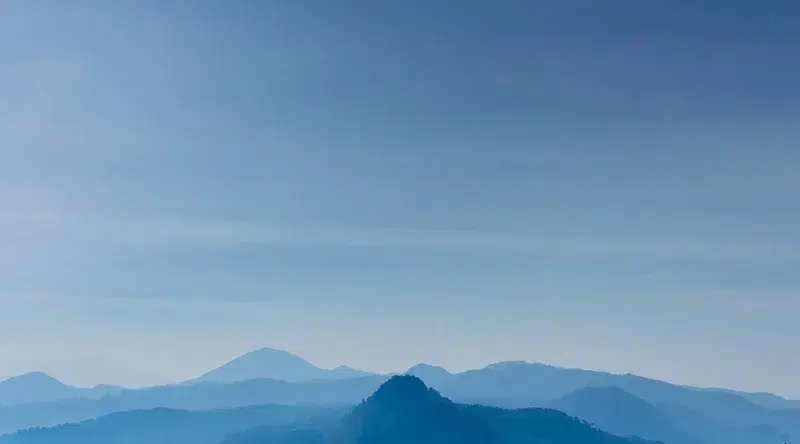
<point x="611" y="186"/>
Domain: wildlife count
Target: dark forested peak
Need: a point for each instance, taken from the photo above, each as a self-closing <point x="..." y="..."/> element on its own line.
<point x="404" y="410"/>
<point x="404" y="389"/>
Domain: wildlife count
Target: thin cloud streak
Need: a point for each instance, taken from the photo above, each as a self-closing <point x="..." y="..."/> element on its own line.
<point x="104" y="233"/>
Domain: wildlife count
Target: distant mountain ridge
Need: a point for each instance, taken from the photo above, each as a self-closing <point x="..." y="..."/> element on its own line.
<point x="431" y="374"/>
<point x="515" y="384"/>
<point x="619" y="412"/>
<point x="332" y="392"/>
<point x="169" y="426"/>
<point x="268" y="363"/>
<point x="689" y="412"/>
<point x="37" y="387"/>
<point x="404" y="410"/>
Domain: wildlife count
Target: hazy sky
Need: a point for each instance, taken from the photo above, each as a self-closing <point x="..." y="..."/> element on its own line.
<point x="379" y="183"/>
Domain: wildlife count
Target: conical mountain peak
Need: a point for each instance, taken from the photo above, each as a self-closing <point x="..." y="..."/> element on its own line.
<point x="403" y="390"/>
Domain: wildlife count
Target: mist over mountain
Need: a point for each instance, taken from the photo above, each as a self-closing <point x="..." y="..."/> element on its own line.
<point x="763" y="399"/>
<point x="619" y="404"/>
<point x="619" y="412"/>
<point x="514" y="384"/>
<point x="268" y="363"/>
<point x="421" y="187"/>
<point x="37" y="387"/>
<point x="169" y="426"/>
<point x="404" y="410"/>
<point x="431" y="374"/>
<point x="192" y="397"/>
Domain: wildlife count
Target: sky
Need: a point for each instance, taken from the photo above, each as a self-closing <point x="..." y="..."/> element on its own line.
<point x="609" y="186"/>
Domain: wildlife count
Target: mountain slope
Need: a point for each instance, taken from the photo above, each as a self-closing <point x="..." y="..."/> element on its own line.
<point x="33" y="387"/>
<point x="165" y="426"/>
<point x="268" y="363"/>
<point x="621" y="413"/>
<point x="431" y="374"/>
<point x="191" y="397"/>
<point x="40" y="387"/>
<point x="404" y="410"/>
<point x="515" y="384"/>
<point x="769" y="400"/>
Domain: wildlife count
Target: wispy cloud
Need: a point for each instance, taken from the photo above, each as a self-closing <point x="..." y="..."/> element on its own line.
<point x="103" y="232"/>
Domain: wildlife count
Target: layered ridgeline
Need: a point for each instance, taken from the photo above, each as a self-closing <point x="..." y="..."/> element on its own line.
<point x="619" y="412"/>
<point x="403" y="410"/>
<point x="265" y="363"/>
<point x="168" y="426"/>
<point x="677" y="414"/>
<point x="621" y="404"/>
<point x="40" y="387"/>
<point x="192" y="397"/>
<point x="275" y="364"/>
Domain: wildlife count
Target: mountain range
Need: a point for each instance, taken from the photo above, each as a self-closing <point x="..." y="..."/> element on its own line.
<point x="170" y="426"/>
<point x="620" y="404"/>
<point x="274" y="364"/>
<point x="40" y="387"/>
<point x="619" y="412"/>
<point x="402" y="410"/>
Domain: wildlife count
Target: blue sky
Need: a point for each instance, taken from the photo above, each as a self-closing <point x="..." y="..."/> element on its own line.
<point x="605" y="186"/>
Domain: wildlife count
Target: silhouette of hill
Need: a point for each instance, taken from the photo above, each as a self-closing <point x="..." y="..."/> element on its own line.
<point x="763" y="399"/>
<point x="268" y="363"/>
<point x="401" y="410"/>
<point x="405" y="410"/>
<point x="191" y="397"/>
<point x="515" y="384"/>
<point x="712" y="431"/>
<point x="430" y="374"/>
<point x="704" y="414"/>
<point x="617" y="411"/>
<point x="37" y="387"/>
<point x="621" y="413"/>
<point x="403" y="402"/>
<point x="166" y="426"/>
<point x="277" y="435"/>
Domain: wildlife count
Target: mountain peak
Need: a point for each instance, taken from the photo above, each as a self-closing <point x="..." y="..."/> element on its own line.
<point x="403" y="409"/>
<point x="345" y="372"/>
<point x="270" y="363"/>
<point x="33" y="387"/>
<point x="422" y="367"/>
<point x="507" y="365"/>
<point x="403" y="389"/>
<point x="268" y="351"/>
<point x="431" y="374"/>
<point x="263" y="363"/>
<point x="38" y="378"/>
<point x="605" y="397"/>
